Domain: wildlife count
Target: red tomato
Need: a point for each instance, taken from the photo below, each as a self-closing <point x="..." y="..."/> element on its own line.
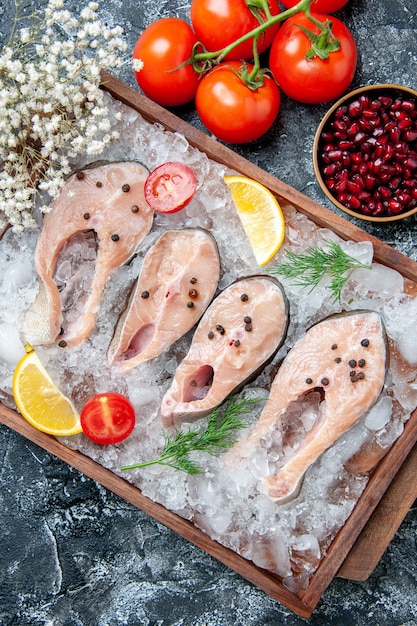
<point x="230" y="110"/>
<point x="170" y="187"/>
<point x="320" y="6"/>
<point x="107" y="418"/>
<point x="217" y="23"/>
<point x="312" y="80"/>
<point x="163" y="47"/>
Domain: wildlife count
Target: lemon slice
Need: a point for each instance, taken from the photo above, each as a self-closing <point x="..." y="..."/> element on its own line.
<point x="40" y="401"/>
<point x="260" y="214"/>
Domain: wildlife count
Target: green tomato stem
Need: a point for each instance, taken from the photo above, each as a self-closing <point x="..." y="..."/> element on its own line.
<point x="199" y="58"/>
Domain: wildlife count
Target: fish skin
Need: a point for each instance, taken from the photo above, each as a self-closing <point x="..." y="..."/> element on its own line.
<point x="219" y="359"/>
<point x="109" y="210"/>
<point x="345" y="402"/>
<point x="159" y="320"/>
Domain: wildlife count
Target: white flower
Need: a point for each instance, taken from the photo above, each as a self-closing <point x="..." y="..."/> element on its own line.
<point x="51" y="106"/>
<point x="138" y="65"/>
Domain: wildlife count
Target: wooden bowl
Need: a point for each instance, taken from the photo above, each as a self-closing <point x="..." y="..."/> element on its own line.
<point x="374" y="91"/>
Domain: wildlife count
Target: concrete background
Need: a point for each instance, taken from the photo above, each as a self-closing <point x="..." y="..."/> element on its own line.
<point x="73" y="553"/>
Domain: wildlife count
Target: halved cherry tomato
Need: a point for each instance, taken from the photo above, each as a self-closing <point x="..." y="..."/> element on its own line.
<point x="320" y="6"/>
<point x="159" y="58"/>
<point x="107" y="418"/>
<point x="170" y="187"/>
<point x="312" y="80"/>
<point x="217" y="23"/>
<point x="231" y="110"/>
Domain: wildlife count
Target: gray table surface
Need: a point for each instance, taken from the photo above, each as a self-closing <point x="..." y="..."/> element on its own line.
<point x="74" y="554"/>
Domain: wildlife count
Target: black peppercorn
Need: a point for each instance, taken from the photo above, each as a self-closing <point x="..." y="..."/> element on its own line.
<point x="99" y="184"/>
<point x="190" y="304"/>
<point x="325" y="381"/>
<point x="352" y="363"/>
<point x="248" y="327"/>
<point x="126" y="187"/>
<point x="193" y="293"/>
<point x="365" y="343"/>
<point x="334" y="346"/>
<point x="236" y="343"/>
<point x="135" y="208"/>
<point x="144" y="294"/>
<point x="247" y="319"/>
<point x="80" y="175"/>
<point x="86" y="216"/>
<point x="62" y="343"/>
<point x="338" y="359"/>
<point x="193" y="280"/>
<point x="309" y="381"/>
<point x="220" y="328"/>
<point x="210" y="335"/>
<point x="115" y="237"/>
<point x="361" y="362"/>
<point x="244" y="297"/>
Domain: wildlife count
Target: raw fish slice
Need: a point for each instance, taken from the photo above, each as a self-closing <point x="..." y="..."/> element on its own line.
<point x="178" y="279"/>
<point x="345" y="357"/>
<point x="108" y="200"/>
<point x="240" y="331"/>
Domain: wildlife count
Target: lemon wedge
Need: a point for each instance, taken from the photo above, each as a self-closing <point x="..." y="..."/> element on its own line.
<point x="39" y="401"/>
<point x="260" y="214"/>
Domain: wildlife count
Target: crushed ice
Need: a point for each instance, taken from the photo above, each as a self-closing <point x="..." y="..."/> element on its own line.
<point x="228" y="505"/>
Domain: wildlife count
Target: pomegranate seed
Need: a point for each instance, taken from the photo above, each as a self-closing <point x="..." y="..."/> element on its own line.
<point x="410" y="135"/>
<point x="385" y="193"/>
<point x="409" y="105"/>
<point x="352" y="202"/>
<point x="394" y="134"/>
<point x="370" y="181"/>
<point x="340" y="125"/>
<point x="394" y="183"/>
<point x="341" y="111"/>
<point x="405" y="123"/>
<point x="404" y="198"/>
<point x="359" y="138"/>
<point x="378" y="132"/>
<point x="354" y="187"/>
<point x="327" y="136"/>
<point x="340" y="185"/>
<point x="345" y="145"/>
<point x="335" y="155"/>
<point x="353" y="129"/>
<point x="355" y="109"/>
<point x="342" y="197"/>
<point x="386" y="101"/>
<point x="410" y="163"/>
<point x="395" y="206"/>
<point x="330" y="170"/>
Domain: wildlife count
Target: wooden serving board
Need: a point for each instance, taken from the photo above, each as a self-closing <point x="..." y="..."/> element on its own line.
<point x="391" y="488"/>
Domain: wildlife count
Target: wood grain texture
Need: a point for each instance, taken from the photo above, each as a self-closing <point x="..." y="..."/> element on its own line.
<point x="391" y="468"/>
<point x="383" y="523"/>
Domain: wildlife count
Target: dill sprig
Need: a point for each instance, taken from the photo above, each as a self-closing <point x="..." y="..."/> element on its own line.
<point x="218" y="436"/>
<point x="307" y="269"/>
